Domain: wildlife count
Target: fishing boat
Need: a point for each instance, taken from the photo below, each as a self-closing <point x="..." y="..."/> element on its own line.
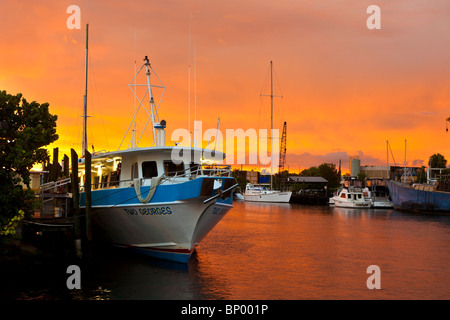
<point x="418" y="197"/>
<point x="350" y="197"/>
<point x="261" y="193"/>
<point x="143" y="201"/>
<point x="147" y="200"/>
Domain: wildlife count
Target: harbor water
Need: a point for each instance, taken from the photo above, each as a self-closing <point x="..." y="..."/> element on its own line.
<point x="267" y="252"/>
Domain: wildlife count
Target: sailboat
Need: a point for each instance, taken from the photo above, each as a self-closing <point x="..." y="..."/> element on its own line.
<point x="260" y="193"/>
<point x="145" y="201"/>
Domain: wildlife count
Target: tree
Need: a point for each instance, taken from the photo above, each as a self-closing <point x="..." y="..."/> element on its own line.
<point x="362" y="177"/>
<point x="325" y="170"/>
<point x="240" y="179"/>
<point x="437" y="160"/>
<point x="25" y="128"/>
<point x="310" y="172"/>
<point x="329" y="172"/>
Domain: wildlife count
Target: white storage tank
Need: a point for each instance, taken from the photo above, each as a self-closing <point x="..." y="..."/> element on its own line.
<point x="355" y="166"/>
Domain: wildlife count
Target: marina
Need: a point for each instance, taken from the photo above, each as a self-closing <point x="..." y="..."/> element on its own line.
<point x="303" y="197"/>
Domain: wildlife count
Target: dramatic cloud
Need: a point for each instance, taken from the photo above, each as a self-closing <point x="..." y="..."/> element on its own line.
<point x="344" y="87"/>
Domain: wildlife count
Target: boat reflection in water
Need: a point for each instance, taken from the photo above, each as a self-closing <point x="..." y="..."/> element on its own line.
<point x="280" y="251"/>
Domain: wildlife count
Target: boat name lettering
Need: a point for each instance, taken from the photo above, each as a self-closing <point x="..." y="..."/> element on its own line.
<point x="149" y="211"/>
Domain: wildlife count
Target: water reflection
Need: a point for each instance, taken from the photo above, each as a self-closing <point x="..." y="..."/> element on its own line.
<point x="282" y="251"/>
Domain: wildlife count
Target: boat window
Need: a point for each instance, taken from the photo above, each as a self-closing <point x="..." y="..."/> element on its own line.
<point x="172" y="169"/>
<point x="149" y="169"/>
<point x="343" y="195"/>
<point x="349" y="195"/>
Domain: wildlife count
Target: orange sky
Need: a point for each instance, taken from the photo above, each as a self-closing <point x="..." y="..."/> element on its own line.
<point x="346" y="89"/>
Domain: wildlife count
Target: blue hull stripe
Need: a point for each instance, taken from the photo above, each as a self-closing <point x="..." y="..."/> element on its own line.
<point x="163" y="194"/>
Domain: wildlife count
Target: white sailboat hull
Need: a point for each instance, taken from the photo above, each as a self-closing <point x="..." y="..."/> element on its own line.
<point x="269" y="197"/>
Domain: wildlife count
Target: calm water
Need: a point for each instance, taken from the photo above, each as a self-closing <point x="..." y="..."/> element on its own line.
<point x="275" y="251"/>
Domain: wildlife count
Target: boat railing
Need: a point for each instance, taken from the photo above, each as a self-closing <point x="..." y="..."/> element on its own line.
<point x="191" y="173"/>
<point x="200" y="170"/>
<point x="354" y="189"/>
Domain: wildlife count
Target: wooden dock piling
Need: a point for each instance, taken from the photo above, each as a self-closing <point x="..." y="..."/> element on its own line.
<point x="76" y="201"/>
<point x="87" y="190"/>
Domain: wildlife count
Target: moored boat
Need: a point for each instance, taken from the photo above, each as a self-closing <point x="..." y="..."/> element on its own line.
<point x="143" y="201"/>
<point x="260" y="193"/>
<point x="150" y="201"/>
<point x="377" y="192"/>
<point x="418" y="197"/>
<point x="350" y="197"/>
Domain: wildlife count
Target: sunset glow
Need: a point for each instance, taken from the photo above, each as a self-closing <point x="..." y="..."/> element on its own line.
<point x="345" y="89"/>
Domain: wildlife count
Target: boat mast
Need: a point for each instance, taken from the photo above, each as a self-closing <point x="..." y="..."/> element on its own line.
<point x="84" y="140"/>
<point x="271" y="122"/>
<point x="189" y="89"/>
<point x="135" y="133"/>
<point x="271" y="126"/>
<point x="151" y="100"/>
<point x="404" y="170"/>
<point x="387" y="159"/>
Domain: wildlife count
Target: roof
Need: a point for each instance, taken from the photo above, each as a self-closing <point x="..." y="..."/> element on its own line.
<point x="307" y="179"/>
<point x="164" y="149"/>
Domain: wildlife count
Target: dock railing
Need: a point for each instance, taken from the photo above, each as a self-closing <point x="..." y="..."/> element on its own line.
<point x="54" y="186"/>
<point x="53" y="199"/>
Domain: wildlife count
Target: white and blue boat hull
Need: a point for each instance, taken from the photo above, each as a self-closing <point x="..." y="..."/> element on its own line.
<point x="166" y="227"/>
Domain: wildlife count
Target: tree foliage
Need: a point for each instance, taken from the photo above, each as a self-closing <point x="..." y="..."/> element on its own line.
<point x="327" y="171"/>
<point x="25" y="128"/>
<point x="437" y="160"/>
<point x="241" y="180"/>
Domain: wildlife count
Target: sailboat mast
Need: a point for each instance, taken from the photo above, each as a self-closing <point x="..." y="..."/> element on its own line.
<point x="387" y="160"/>
<point x="84" y="140"/>
<point x="404" y="170"/>
<point x="271" y="126"/>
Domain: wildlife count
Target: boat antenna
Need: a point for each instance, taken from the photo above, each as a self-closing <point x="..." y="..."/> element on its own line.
<point x="217" y="134"/>
<point x="135" y="133"/>
<point x="189" y="75"/>
<point x="152" y="110"/>
<point x="85" y="116"/>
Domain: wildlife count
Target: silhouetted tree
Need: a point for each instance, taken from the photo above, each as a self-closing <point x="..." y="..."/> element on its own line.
<point x="25" y="128"/>
<point x="437" y="160"/>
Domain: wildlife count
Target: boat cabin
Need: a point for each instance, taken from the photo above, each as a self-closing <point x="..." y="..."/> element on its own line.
<point x="122" y="168"/>
<point x="351" y="193"/>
